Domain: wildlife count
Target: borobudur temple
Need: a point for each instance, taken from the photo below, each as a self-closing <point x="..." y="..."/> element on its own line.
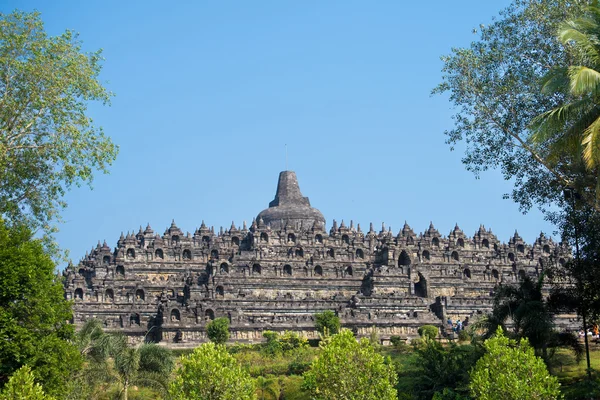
<point x="282" y="269"/>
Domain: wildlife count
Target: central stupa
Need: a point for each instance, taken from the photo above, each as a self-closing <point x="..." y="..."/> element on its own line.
<point x="290" y="208"/>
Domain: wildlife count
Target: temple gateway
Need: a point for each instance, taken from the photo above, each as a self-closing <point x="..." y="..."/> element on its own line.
<point x="285" y="267"/>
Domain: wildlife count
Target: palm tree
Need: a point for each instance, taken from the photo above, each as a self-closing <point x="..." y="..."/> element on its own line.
<point x="268" y="387"/>
<point x="146" y="364"/>
<point x="570" y="133"/>
<point x="528" y="315"/>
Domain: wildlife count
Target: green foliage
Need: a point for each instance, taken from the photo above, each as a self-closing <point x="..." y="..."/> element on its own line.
<point x="510" y="370"/>
<point x="217" y="330"/>
<point x="327" y="323"/>
<point x="272" y="346"/>
<point x="463" y="336"/>
<point x="448" y="394"/>
<point x="291" y="340"/>
<point x="111" y="361"/>
<point x="495" y="85"/>
<point x="48" y="143"/>
<point x="210" y="373"/>
<point x="282" y="343"/>
<point x="21" y="386"/>
<point x="396" y="340"/>
<point x="525" y="305"/>
<point x="347" y="366"/>
<point x="292" y="388"/>
<point x="268" y="388"/>
<point x="434" y="368"/>
<point x="571" y="130"/>
<point x="428" y="331"/>
<point x="33" y="313"/>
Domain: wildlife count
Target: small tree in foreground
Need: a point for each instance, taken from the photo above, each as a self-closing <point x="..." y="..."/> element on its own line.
<point x="428" y="331"/>
<point x="218" y="330"/>
<point x="327" y="323"/>
<point x="510" y="370"/>
<point x="348" y="368"/>
<point x="21" y="386"/>
<point x="211" y="373"/>
<point x="33" y="313"/>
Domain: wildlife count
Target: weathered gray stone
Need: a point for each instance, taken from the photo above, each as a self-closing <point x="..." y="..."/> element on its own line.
<point x="283" y="269"/>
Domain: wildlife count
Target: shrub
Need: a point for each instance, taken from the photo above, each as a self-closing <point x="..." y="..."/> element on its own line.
<point x="396" y="340"/>
<point x="285" y="342"/>
<point x="291" y="341"/>
<point x="211" y="373"/>
<point x="21" y="386"/>
<point x="347" y="366"/>
<point x="464" y="336"/>
<point x="218" y="330"/>
<point x="273" y="346"/>
<point x="510" y="370"/>
<point x="428" y="331"/>
<point x="327" y="323"/>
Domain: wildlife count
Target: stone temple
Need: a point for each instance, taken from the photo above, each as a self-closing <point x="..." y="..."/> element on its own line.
<point x="285" y="267"/>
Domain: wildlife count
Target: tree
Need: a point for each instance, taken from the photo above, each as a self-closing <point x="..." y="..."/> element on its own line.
<point x="428" y="331"/>
<point x="48" y="143"/>
<point x="347" y="368"/>
<point x="268" y="387"/>
<point x="510" y="370"/>
<point x="531" y="317"/>
<point x="495" y="85"/>
<point x="34" y="314"/>
<point x="21" y="386"/>
<point x="434" y="369"/>
<point x="572" y="129"/>
<point x="327" y="323"/>
<point x="146" y="364"/>
<point x="218" y="330"/>
<point x="211" y="373"/>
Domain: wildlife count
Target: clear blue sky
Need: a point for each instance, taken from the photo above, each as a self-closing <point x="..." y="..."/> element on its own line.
<point x="209" y="93"/>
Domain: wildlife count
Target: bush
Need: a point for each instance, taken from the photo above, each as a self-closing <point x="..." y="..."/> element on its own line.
<point x="291" y="341"/>
<point x="396" y="340"/>
<point x="21" y="386"/>
<point x="273" y="346"/>
<point x="327" y="323"/>
<point x="285" y="342"/>
<point x="464" y="336"/>
<point x="510" y="370"/>
<point x="218" y="330"/>
<point x="433" y="368"/>
<point x="211" y="373"/>
<point x="347" y="366"/>
<point x="428" y="331"/>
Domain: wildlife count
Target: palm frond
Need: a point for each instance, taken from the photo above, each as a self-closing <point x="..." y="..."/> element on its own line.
<point x="155" y="358"/>
<point x="556" y="81"/>
<point x="591" y="144"/>
<point x="548" y="125"/>
<point x="578" y="32"/>
<point x="583" y="80"/>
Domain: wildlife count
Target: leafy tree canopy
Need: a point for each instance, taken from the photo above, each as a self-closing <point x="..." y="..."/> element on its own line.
<point x="510" y="371"/>
<point x="48" y="143"/>
<point x="350" y="369"/>
<point x="437" y="370"/>
<point x="218" y="330"/>
<point x="211" y="373"/>
<point x="33" y="313"/>
<point x="495" y="85"/>
<point x="21" y="386"/>
<point x="327" y="323"/>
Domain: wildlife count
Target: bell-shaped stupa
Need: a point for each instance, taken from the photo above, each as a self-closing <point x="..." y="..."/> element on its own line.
<point x="290" y="208"/>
